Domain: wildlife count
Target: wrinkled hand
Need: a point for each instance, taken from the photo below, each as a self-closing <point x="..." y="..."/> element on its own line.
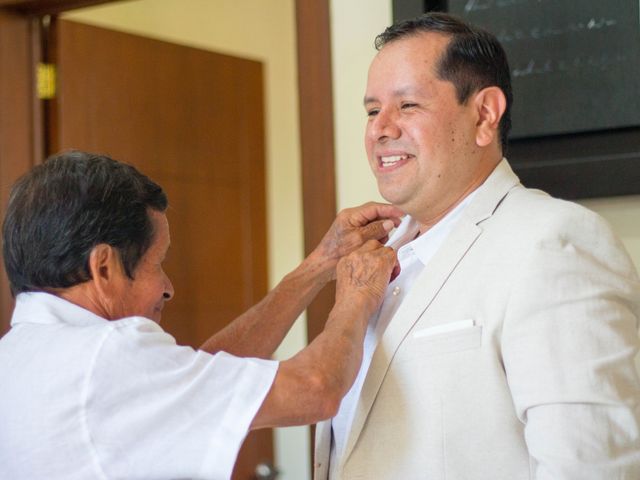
<point x="365" y="273"/>
<point x="355" y="226"/>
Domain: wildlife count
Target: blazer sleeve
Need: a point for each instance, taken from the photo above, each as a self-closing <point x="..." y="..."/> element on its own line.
<point x="569" y="342"/>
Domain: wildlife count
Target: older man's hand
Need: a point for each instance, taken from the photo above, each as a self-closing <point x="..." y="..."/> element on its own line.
<point x="365" y="274"/>
<point x="351" y="229"/>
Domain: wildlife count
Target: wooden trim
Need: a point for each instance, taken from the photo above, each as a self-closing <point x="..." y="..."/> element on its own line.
<point x="316" y="137"/>
<point x="47" y="7"/>
<point x="49" y="120"/>
<point x="317" y="142"/>
<point x="37" y="105"/>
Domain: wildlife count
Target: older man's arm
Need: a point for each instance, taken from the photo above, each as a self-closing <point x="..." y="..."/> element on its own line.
<point x="309" y="386"/>
<point x="259" y="331"/>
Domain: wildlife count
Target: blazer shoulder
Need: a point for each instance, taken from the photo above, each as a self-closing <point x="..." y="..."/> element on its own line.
<point x="541" y="222"/>
<point x="537" y="208"/>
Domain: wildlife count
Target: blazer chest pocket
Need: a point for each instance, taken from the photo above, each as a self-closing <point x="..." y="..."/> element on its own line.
<point x="445" y="338"/>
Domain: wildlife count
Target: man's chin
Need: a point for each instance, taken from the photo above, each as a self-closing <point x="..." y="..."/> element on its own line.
<point x="394" y="198"/>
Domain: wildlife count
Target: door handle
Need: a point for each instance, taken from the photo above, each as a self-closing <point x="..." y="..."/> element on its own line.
<point x="266" y="471"/>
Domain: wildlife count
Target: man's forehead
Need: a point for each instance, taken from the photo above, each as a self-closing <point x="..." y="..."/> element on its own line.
<point x="405" y="64"/>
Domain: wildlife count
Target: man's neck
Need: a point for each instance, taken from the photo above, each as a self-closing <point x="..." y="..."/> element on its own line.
<point x="82" y="295"/>
<point x="428" y="219"/>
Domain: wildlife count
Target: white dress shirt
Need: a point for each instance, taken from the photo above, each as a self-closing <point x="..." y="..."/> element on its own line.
<point x="414" y="253"/>
<point x="87" y="398"/>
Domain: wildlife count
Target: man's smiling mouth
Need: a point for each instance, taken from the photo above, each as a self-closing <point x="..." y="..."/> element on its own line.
<point x="387" y="161"/>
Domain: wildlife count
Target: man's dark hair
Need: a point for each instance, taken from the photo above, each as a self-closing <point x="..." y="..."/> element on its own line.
<point x="63" y="208"/>
<point x="473" y="60"/>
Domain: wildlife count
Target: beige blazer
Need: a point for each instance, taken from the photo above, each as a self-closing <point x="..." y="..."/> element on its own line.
<point x="511" y="358"/>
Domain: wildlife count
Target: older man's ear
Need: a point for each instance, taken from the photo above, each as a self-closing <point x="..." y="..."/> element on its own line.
<point x="108" y="279"/>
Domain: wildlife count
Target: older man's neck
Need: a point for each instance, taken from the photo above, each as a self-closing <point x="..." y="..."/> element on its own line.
<point x="84" y="296"/>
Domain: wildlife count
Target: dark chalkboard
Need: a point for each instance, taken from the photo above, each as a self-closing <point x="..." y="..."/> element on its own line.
<point x="575" y="65"/>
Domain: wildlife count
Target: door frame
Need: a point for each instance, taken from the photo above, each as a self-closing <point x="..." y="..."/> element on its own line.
<point x="47" y="7"/>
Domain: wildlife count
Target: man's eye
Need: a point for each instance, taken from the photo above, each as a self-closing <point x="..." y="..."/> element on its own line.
<point x="408" y="105"/>
<point x="373" y="112"/>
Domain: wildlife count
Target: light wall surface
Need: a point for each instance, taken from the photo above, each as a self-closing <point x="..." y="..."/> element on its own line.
<point x="354" y="25"/>
<point x="263" y="31"/>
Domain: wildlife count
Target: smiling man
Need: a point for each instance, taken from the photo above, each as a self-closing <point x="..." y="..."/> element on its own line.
<point x="92" y="387"/>
<point x="504" y="350"/>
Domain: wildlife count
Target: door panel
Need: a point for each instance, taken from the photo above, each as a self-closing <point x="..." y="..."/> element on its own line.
<point x="16" y="124"/>
<point x="193" y="121"/>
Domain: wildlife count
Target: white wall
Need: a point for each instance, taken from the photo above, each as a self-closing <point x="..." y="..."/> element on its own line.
<point x="264" y="31"/>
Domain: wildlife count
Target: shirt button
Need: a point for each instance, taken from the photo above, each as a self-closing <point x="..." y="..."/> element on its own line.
<point x="396" y="291"/>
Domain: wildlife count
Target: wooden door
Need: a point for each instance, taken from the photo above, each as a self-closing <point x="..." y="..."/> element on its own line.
<point x="16" y="125"/>
<point x="191" y="120"/>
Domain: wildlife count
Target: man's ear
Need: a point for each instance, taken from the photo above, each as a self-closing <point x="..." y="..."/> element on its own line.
<point x="490" y="103"/>
<point x="105" y="268"/>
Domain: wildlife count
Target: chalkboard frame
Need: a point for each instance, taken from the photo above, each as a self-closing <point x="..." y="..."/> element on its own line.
<point x="603" y="163"/>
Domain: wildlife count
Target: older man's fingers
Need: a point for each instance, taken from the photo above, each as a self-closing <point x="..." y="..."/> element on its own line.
<point x="377" y="230"/>
<point x="364" y="214"/>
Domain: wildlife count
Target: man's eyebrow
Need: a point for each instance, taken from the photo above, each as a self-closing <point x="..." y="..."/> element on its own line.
<point x="396" y="93"/>
<point x="368" y="100"/>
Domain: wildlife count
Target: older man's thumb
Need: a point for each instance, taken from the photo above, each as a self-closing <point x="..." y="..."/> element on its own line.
<point x="388" y="225"/>
<point x="379" y="229"/>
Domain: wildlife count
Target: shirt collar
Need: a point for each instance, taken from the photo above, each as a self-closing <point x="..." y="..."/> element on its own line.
<point x="425" y="246"/>
<point x="45" y="308"/>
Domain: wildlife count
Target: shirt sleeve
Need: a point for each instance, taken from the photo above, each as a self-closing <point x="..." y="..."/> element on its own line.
<point x="158" y="410"/>
<point x="569" y="343"/>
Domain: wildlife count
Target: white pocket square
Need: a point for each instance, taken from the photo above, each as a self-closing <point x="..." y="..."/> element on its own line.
<point x="445" y="328"/>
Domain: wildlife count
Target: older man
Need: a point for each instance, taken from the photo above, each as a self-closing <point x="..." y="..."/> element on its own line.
<point x="505" y="348"/>
<point x="92" y="387"/>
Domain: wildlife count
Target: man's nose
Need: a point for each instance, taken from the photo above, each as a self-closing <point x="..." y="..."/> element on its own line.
<point x="168" y="289"/>
<point x="384" y="126"/>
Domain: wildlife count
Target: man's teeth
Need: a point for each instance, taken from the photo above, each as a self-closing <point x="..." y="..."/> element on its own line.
<point x="392" y="159"/>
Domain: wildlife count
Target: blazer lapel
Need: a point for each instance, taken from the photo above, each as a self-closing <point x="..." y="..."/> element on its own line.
<point x="428" y="284"/>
